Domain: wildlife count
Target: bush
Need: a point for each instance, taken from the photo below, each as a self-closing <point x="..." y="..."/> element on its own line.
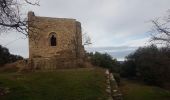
<point x="128" y="69"/>
<point x="102" y="60"/>
<point x="116" y="68"/>
<point x="151" y="64"/>
<point x="105" y="61"/>
<point x="117" y="78"/>
<point x="6" y="57"/>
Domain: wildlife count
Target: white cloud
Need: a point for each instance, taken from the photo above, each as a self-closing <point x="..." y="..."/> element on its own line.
<point x="108" y="22"/>
<point x="137" y="42"/>
<point x="16" y="43"/>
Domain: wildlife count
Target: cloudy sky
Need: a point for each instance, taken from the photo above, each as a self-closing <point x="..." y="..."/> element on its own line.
<point x="115" y="26"/>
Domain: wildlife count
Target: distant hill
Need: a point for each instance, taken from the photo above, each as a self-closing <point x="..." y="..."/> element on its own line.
<point x="116" y="52"/>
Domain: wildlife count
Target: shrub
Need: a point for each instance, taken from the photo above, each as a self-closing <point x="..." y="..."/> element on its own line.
<point x="151" y="64"/>
<point x="6" y="57"/>
<point x="117" y="78"/>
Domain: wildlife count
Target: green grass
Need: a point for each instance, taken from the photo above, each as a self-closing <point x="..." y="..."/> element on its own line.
<point x="77" y="84"/>
<point x="136" y="91"/>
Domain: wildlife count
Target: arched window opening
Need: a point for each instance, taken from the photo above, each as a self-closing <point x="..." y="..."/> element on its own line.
<point x="53" y="39"/>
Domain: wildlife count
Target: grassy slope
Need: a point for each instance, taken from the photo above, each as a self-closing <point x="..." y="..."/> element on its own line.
<point x="136" y="91"/>
<point x="81" y="84"/>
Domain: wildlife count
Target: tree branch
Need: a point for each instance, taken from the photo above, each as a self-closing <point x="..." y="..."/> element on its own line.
<point x="36" y="3"/>
<point x="162" y="30"/>
<point x="9" y="25"/>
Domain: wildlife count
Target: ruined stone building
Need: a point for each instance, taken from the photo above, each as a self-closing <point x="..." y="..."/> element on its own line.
<point x="54" y="42"/>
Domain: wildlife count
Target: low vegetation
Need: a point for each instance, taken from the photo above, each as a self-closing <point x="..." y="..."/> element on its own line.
<point x="104" y="60"/>
<point x="133" y="90"/>
<point x="73" y="84"/>
<point x="150" y="64"/>
<point x="6" y="57"/>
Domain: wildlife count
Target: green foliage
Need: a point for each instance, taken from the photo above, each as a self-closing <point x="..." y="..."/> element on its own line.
<point x="117" y="78"/>
<point x="6" y="57"/>
<point x="116" y="68"/>
<point x="150" y="64"/>
<point x="128" y="69"/>
<point x="102" y="60"/>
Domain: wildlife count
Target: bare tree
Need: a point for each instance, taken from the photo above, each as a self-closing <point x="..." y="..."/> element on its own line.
<point x="161" y="30"/>
<point x="11" y="18"/>
<point x="78" y="44"/>
<point x="31" y="3"/>
<point x="86" y="39"/>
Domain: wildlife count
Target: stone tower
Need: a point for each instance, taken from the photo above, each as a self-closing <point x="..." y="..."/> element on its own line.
<point x="54" y="42"/>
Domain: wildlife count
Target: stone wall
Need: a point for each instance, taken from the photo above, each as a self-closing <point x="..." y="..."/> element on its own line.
<point x="65" y="30"/>
<point x="55" y="63"/>
<point x="68" y="40"/>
